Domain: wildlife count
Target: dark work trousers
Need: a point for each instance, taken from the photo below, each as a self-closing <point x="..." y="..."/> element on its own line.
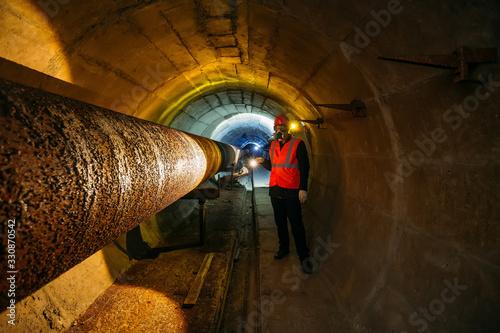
<point x="290" y="208"/>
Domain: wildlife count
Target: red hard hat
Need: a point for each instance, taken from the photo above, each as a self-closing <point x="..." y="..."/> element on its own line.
<point x="281" y="120"/>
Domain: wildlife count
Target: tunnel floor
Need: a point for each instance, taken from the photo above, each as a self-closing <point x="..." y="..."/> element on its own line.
<point x="245" y="289"/>
<point x="149" y="296"/>
<point x="289" y="299"/>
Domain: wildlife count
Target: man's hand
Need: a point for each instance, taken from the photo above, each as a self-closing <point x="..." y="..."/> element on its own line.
<point x="259" y="160"/>
<point x="302" y="196"/>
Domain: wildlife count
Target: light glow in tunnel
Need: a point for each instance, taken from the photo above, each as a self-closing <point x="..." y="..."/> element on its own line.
<point x="243" y="129"/>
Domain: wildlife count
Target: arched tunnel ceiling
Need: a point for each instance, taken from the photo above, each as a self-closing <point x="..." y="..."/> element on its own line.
<point x="236" y="111"/>
<point x="151" y="59"/>
<point x="173" y="62"/>
<point x="243" y="129"/>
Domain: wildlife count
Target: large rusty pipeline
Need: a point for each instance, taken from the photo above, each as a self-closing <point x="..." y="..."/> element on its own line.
<point x="74" y="177"/>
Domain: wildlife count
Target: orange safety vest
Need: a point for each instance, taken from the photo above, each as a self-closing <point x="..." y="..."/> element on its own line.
<point x="285" y="166"/>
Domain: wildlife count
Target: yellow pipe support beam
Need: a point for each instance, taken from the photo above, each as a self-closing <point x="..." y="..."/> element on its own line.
<point x="74" y="177"/>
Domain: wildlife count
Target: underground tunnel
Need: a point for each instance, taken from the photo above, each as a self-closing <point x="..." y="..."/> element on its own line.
<point x="115" y="112"/>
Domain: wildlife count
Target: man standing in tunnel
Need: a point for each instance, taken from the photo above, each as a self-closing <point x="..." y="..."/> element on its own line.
<point x="289" y="166"/>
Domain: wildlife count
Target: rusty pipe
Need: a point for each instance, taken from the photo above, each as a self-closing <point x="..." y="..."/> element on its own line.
<point x="74" y="177"/>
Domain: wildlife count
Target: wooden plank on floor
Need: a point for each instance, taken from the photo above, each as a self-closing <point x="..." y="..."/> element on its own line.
<point x="195" y="289"/>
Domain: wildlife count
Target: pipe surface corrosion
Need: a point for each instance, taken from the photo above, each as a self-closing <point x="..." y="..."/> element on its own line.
<point x="74" y="177"/>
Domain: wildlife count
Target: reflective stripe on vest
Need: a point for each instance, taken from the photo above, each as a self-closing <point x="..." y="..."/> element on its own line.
<point x="285" y="173"/>
<point x="287" y="163"/>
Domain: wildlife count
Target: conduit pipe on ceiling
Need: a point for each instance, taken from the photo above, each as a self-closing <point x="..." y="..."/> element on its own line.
<point x="74" y="177"/>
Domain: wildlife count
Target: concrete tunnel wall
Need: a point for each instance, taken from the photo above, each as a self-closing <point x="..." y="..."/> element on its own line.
<point x="413" y="188"/>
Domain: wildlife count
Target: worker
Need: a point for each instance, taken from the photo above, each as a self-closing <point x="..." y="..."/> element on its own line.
<point x="289" y="166"/>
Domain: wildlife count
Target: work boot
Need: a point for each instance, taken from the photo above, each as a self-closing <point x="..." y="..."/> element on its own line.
<point x="280" y="254"/>
<point x="307" y="265"/>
